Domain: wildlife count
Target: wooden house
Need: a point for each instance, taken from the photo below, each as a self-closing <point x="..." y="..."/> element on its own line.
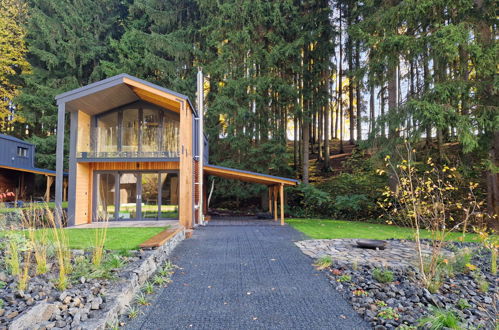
<point x="18" y="171"/>
<point x="135" y="153"/>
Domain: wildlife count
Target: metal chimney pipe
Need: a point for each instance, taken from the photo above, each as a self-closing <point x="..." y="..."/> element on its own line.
<point x="200" y="106"/>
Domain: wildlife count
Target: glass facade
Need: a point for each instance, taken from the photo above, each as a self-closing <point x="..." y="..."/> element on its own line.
<point x="139" y="195"/>
<point x="138" y="130"/>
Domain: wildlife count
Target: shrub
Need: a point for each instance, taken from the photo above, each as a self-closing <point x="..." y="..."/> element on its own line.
<point x="382" y="275"/>
<point x="345" y="278"/>
<point x="440" y="319"/>
<point x="308" y="201"/>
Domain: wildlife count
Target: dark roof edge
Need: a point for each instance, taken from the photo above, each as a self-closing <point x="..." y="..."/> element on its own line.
<point x="14" y="139"/>
<point x="119" y="78"/>
<point x="254" y="173"/>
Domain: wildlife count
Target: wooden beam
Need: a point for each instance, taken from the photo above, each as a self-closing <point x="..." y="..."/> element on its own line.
<point x="281" y="192"/>
<point x="248" y="177"/>
<point x="275" y="202"/>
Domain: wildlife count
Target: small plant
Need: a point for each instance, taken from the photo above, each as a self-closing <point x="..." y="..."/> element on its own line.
<point x="359" y="292"/>
<point x="323" y="262"/>
<point x="61" y="243"/>
<point x="344" y="278"/>
<point x="141" y="299"/>
<point x="24" y="276"/>
<point x="355" y="264"/>
<point x="125" y="253"/>
<point x="12" y="258"/>
<point x="167" y="269"/>
<point x="2" y="303"/>
<point x="491" y="242"/>
<point x="133" y="312"/>
<point x="388" y="313"/>
<point x="38" y="237"/>
<point x="480" y="280"/>
<point x="434" y="284"/>
<point x="149" y="288"/>
<point x="406" y="327"/>
<point x="115" y="261"/>
<point x="381" y="303"/>
<point x="99" y="242"/>
<point x="463" y="304"/>
<point x="463" y="258"/>
<point x="382" y="275"/>
<point x="3" y="284"/>
<point x="159" y="280"/>
<point x="440" y="319"/>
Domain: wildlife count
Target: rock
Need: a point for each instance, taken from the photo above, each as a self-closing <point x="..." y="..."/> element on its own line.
<point x="60" y="324"/>
<point x="96" y="302"/>
<point x="3" y="277"/>
<point x="37" y="314"/>
<point x="11" y="315"/>
<point x="67" y="300"/>
<point x="2" y="311"/>
<point x="487" y="300"/>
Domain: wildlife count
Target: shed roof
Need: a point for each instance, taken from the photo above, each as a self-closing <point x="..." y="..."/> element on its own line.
<point x="34" y="170"/>
<point x="11" y="138"/>
<point x="119" y="90"/>
<point x="247" y="176"/>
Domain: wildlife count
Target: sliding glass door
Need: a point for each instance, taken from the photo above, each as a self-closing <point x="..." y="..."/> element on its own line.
<point x="135" y="195"/>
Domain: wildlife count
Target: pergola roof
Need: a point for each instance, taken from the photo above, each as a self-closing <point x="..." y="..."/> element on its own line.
<point x="34" y="170"/>
<point x="117" y="91"/>
<point x="247" y="176"/>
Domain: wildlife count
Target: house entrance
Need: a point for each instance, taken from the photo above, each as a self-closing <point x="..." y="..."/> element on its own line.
<point x="140" y="195"/>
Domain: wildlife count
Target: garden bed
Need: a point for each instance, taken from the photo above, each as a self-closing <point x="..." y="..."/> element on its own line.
<point x="390" y="297"/>
<point x="94" y="296"/>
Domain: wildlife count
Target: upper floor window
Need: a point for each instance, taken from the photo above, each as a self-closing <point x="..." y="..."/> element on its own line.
<point x="139" y="130"/>
<point x="22" y="152"/>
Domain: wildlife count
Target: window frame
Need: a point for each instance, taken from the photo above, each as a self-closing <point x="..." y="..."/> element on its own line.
<point x="140" y="105"/>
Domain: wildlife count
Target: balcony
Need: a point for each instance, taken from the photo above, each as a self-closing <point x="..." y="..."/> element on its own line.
<point x="127" y="154"/>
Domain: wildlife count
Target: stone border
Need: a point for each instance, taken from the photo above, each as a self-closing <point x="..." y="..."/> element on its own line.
<point x="119" y="296"/>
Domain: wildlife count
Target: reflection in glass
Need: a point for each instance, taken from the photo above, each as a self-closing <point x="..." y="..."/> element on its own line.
<point x="105" y="197"/>
<point x="169" y="195"/>
<point x="150" y="186"/>
<point x="170" y="133"/>
<point x="128" y="196"/>
<point x="107" y="133"/>
<point x="130" y="130"/>
<point x="150" y="130"/>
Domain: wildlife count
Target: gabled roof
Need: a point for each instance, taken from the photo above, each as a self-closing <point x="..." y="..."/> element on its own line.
<point x="119" y="90"/>
<point x="247" y="176"/>
<point x="14" y="139"/>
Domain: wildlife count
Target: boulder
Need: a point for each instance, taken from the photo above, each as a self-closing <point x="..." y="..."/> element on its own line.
<point x="40" y="313"/>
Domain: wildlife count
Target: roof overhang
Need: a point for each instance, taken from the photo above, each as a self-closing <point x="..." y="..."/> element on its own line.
<point x="34" y="170"/>
<point x="117" y="91"/>
<point x="247" y="176"/>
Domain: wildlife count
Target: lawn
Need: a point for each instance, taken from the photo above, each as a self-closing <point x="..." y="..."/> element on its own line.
<point x="50" y="205"/>
<point x="328" y="229"/>
<point x="127" y="238"/>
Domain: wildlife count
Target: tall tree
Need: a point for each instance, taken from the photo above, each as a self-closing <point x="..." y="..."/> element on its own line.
<point x="12" y="56"/>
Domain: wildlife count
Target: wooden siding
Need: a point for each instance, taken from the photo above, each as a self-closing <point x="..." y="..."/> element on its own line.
<point x="83" y="199"/>
<point x="186" y="167"/>
<point x="134" y="166"/>
<point x="83" y="136"/>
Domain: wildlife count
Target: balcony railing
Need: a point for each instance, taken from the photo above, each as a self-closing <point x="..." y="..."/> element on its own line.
<point x="128" y="154"/>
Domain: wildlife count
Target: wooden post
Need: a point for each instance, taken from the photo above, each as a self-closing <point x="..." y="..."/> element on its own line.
<point x="275" y="202"/>
<point x="270" y="199"/>
<point x="281" y="192"/>
<point x="50" y="179"/>
<point x="65" y="190"/>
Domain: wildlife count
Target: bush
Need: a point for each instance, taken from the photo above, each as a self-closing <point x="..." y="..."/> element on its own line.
<point x="306" y="200"/>
<point x="355" y="195"/>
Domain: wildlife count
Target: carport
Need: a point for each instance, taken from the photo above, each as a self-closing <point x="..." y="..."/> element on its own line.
<point x="275" y="184"/>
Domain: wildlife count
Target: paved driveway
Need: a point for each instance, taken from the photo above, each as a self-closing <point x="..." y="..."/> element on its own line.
<point x="248" y="276"/>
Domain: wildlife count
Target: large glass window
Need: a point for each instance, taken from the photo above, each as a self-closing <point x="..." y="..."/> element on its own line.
<point x="137" y="130"/>
<point x="107" y="133"/>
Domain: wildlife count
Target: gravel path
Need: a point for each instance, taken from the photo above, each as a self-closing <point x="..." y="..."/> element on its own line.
<point x="246" y="277"/>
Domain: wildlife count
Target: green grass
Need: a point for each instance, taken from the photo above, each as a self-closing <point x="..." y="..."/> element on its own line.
<point x="126" y="238"/>
<point x="329" y="229"/>
<point x="51" y="205"/>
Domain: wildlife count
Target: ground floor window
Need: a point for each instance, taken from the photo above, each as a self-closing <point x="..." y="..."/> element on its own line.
<point x="135" y="195"/>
